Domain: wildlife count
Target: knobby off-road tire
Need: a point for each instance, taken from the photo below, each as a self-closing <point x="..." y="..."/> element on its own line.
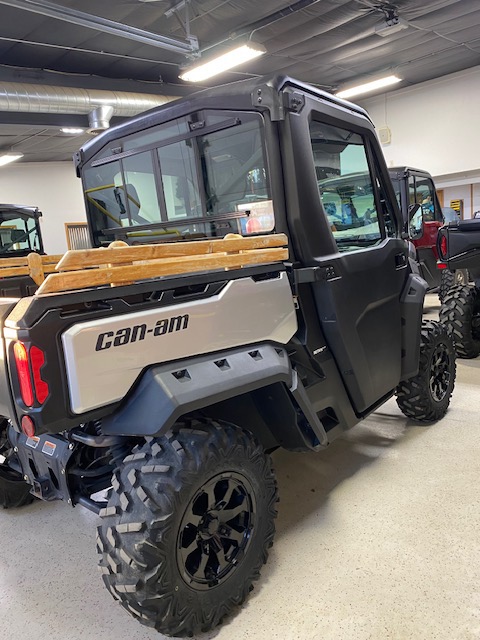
<point x="14" y="491"/>
<point x="451" y="279"/>
<point x="187" y="527"/>
<point x="426" y="397"/>
<point x="460" y="313"/>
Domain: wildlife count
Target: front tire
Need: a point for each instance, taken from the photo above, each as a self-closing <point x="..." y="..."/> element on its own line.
<point x="426" y="397"/>
<point x="187" y="526"/>
<point x="460" y="313"/>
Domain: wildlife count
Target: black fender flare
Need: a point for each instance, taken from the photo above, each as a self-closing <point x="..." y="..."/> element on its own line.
<point x="168" y="391"/>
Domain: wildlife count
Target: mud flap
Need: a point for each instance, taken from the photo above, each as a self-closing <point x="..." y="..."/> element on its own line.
<point x="412" y="300"/>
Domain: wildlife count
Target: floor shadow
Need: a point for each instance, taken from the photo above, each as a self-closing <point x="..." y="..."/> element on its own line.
<point x="305" y="480"/>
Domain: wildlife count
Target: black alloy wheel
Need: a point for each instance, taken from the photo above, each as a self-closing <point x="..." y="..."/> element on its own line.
<point x="216" y="530"/>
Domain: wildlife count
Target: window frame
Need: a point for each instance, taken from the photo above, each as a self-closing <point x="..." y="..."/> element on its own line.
<point x="374" y="173"/>
<point x="232" y="119"/>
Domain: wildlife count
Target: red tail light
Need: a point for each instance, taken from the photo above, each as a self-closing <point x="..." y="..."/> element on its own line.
<point x="32" y="384"/>
<point x="37" y="358"/>
<point x="443" y="246"/>
<point x="23" y="373"/>
<point x="28" y="426"/>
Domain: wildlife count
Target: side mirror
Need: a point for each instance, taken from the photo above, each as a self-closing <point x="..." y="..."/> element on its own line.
<point x="415" y="221"/>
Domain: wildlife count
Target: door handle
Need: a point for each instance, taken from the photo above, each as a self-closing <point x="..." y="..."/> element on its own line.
<point x="400" y="260"/>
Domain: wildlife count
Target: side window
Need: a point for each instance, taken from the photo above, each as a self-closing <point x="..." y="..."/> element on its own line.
<point x="345" y="185"/>
<point x="412" y="196"/>
<point x="426" y="198"/>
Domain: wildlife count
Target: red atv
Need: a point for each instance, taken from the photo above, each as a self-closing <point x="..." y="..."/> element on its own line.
<point x="417" y="186"/>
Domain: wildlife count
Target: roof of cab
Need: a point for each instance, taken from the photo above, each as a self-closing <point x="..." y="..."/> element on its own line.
<point x="241" y="91"/>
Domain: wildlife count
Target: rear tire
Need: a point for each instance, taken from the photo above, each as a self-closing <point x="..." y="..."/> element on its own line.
<point x="426" y="397"/>
<point x="451" y="279"/>
<point x="460" y="313"/>
<point x="187" y="526"/>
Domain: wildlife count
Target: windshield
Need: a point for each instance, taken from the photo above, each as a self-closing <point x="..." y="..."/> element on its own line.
<point x="19" y="233"/>
<point x="206" y="181"/>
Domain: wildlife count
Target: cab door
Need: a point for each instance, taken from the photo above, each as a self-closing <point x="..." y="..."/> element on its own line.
<point x="421" y="190"/>
<point x="360" y="280"/>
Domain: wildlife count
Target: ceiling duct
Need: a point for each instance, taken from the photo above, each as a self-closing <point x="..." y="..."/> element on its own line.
<point x="99" y="120"/>
<point x="34" y="98"/>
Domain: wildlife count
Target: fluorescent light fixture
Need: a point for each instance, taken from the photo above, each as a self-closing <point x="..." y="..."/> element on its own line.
<point x="73" y="131"/>
<point x="368" y="86"/>
<point x="224" y="62"/>
<point x="6" y="158"/>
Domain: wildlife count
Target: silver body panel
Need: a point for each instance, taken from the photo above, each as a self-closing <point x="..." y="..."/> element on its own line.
<point x="244" y="312"/>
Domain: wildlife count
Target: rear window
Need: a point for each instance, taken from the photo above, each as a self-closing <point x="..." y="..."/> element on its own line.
<point x="208" y="182"/>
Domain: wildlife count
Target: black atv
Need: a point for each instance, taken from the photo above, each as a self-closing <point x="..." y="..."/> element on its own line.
<point x="459" y="248"/>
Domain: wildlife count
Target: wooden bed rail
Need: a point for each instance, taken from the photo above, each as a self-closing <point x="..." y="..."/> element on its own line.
<point x="121" y="264"/>
<point x="33" y="265"/>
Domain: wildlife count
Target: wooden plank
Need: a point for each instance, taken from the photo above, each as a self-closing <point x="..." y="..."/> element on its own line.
<point x="13" y="262"/>
<point x="35" y="268"/>
<point x="23" y="261"/>
<point x="53" y="259"/>
<point x="74" y="260"/>
<point x="72" y="280"/>
<point x="14" y="271"/>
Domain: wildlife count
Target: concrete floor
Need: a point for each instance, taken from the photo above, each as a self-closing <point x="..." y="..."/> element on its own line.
<point x="377" y="538"/>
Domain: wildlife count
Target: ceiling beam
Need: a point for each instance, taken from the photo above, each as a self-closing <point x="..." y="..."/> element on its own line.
<point x="80" y="18"/>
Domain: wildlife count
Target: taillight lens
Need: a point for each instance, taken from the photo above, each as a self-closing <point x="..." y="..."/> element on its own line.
<point x="28" y="426"/>
<point x="37" y="358"/>
<point x="23" y="373"/>
<point x="32" y="384"/>
<point x="443" y="246"/>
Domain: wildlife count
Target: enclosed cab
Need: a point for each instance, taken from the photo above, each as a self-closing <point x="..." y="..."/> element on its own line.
<point x="20" y="235"/>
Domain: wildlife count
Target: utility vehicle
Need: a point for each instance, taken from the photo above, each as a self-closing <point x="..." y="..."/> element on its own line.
<point x="416" y="186"/>
<point x="459" y="248"/>
<point x="20" y="234"/>
<point x="164" y="374"/>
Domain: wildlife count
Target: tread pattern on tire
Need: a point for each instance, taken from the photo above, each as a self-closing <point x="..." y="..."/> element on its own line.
<point x="449" y="280"/>
<point x="446" y="283"/>
<point x="413" y="395"/>
<point x="456" y="313"/>
<point x="139" y="524"/>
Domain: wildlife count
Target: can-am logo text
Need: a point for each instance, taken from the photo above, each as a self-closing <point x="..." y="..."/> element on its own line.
<point x="140" y="332"/>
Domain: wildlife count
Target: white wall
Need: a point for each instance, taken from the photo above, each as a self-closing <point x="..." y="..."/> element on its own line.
<point x="435" y="125"/>
<point x="54" y="188"/>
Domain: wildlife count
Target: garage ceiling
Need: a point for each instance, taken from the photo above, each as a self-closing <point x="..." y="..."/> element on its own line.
<point x="331" y="43"/>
